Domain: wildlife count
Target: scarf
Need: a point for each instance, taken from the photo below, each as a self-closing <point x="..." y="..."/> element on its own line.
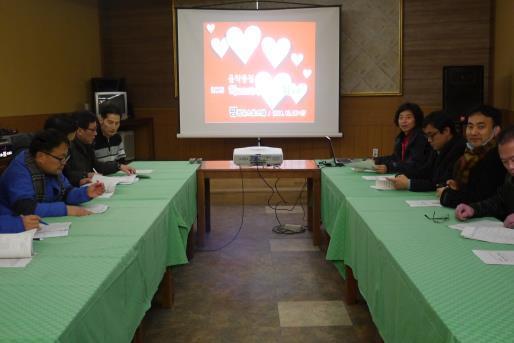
<point x="468" y="160"/>
<point x="38" y="179"/>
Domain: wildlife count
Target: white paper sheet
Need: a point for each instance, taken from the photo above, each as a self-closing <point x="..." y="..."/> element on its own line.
<point x="14" y="262"/>
<point x="374" y="177"/>
<point x="16" y="245"/>
<point x="109" y="183"/>
<point x="479" y="223"/>
<point x="96" y="208"/>
<point x="362" y="164"/>
<point x="424" y="203"/>
<point x="53" y="230"/>
<point x="106" y="195"/>
<point x="489" y="234"/>
<point x="505" y="257"/>
<point x="144" y="171"/>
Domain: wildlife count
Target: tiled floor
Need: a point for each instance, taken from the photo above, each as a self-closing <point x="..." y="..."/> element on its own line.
<point x="263" y="287"/>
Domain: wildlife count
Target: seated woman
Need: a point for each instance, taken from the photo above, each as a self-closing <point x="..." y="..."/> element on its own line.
<point x="411" y="148"/>
<point x="33" y="183"/>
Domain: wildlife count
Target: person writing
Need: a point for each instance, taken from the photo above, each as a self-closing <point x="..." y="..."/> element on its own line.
<point x="478" y="172"/>
<point x="500" y="205"/>
<point x="15" y="224"/>
<point x="83" y="162"/>
<point x="33" y="182"/>
<point x="411" y="148"/>
<point x="447" y="146"/>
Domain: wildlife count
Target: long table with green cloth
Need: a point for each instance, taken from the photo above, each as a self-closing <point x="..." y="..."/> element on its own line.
<point x="420" y="279"/>
<point x="96" y="284"/>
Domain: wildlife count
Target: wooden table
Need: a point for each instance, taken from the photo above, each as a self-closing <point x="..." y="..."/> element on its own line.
<point x="306" y="169"/>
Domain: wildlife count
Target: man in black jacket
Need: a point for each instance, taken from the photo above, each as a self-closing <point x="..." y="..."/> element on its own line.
<point x="83" y="162"/>
<point x="448" y="146"/>
<point x="501" y="205"/>
<point x="479" y="172"/>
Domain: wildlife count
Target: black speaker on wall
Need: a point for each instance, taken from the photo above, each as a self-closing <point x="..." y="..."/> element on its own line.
<point x="463" y="89"/>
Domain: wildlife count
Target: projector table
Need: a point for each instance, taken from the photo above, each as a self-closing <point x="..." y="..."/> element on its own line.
<point x="306" y="169"/>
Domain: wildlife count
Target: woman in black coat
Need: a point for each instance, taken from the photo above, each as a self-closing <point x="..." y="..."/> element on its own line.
<point x="411" y="148"/>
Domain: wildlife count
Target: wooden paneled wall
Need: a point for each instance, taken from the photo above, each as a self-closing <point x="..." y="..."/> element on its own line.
<point x="137" y="44"/>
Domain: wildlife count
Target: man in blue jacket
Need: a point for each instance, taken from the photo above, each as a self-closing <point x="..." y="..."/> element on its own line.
<point x="33" y="183"/>
<point x="15" y="224"/>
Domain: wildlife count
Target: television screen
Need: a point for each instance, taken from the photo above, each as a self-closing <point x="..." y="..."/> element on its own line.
<point x="118" y="99"/>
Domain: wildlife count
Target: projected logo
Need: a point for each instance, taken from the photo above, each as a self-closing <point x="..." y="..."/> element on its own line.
<point x="259" y="72"/>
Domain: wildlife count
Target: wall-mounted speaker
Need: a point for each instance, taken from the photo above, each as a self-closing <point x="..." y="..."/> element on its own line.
<point x="463" y="89"/>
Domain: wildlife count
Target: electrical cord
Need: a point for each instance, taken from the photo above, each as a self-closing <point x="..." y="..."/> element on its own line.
<point x="283" y="228"/>
<point x="240" y="225"/>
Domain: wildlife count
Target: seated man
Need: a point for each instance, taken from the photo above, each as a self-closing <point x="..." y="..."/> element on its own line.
<point x="108" y="143"/>
<point x="479" y="172"/>
<point x="500" y="205"/>
<point x="83" y="162"/>
<point x="60" y="122"/>
<point x="15" y="224"/>
<point x="64" y="123"/>
<point x="33" y="183"/>
<point x="447" y="146"/>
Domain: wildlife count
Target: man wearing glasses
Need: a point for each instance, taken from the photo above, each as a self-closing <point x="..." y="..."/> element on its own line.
<point x="447" y="146"/>
<point x="33" y="183"/>
<point x="500" y="205"/>
<point x="479" y="172"/>
<point x="83" y="162"/>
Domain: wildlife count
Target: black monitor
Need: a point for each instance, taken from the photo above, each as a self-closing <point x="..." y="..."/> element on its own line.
<point x="118" y="99"/>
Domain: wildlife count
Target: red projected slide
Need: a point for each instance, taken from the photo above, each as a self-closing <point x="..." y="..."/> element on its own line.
<point x="259" y="72"/>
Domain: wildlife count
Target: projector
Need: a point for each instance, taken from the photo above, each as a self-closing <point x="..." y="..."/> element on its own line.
<point x="258" y="156"/>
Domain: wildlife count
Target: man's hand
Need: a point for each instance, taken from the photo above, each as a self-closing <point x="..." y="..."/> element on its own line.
<point x="95" y="190"/>
<point x="77" y="211"/>
<point x="400" y="182"/>
<point x="509" y="221"/>
<point x="380" y="168"/>
<point x="85" y="181"/>
<point x="463" y="212"/>
<point x="439" y="191"/>
<point x="452" y="184"/>
<point x="127" y="169"/>
<point x="30" y="222"/>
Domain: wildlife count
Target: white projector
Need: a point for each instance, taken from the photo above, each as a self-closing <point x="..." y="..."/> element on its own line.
<point x="258" y="156"/>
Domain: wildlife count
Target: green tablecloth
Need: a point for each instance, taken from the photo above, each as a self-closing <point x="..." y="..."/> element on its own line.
<point x="96" y="284"/>
<point x="421" y="280"/>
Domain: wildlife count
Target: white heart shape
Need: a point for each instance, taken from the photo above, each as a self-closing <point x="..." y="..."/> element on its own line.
<point x="220" y="46"/>
<point x="210" y="27"/>
<point x="307" y="73"/>
<point x="296" y="58"/>
<point x="243" y="44"/>
<point x="272" y="90"/>
<point x="297" y="92"/>
<point x="275" y="52"/>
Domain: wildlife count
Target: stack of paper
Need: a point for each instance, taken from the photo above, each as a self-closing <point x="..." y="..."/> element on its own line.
<point x="362" y="165"/>
<point x="480" y="223"/>
<point x="53" y="230"/>
<point x="375" y="177"/>
<point x="505" y="257"/>
<point x="489" y="234"/>
<point x="383" y="184"/>
<point x="423" y="203"/>
<point x="16" y="249"/>
<point x="96" y="208"/>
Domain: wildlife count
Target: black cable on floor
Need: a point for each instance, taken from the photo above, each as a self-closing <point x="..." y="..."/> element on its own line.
<point x="283" y="228"/>
<point x="242" y="219"/>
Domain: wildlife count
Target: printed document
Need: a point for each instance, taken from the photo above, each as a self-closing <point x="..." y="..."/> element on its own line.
<point x="479" y="223"/>
<point x="53" y="230"/>
<point x="489" y="234"/>
<point x="424" y="203"/>
<point x="16" y="249"/>
<point x="505" y="257"/>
